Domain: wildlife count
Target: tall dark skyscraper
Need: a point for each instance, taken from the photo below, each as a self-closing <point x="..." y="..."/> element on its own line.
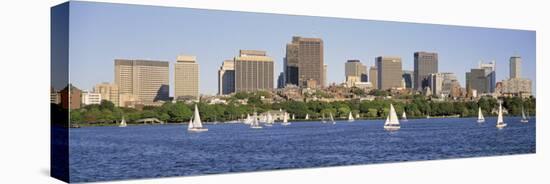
<point x="408" y="77"/>
<point x="281" y="80"/>
<point x="226" y="78"/>
<point x="425" y="63"/>
<point x="304" y="61"/>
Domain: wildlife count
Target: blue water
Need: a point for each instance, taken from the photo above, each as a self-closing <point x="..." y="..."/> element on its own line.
<point x="112" y="153"/>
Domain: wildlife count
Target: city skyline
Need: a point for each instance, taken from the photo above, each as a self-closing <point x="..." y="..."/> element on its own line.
<point x="97" y="43"/>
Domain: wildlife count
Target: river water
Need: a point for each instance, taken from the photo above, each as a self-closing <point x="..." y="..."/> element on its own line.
<point x="144" y="151"/>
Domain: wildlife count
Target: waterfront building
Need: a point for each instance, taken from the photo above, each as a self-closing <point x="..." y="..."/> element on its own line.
<point x="186" y="77"/>
<point x="354" y="68"/>
<point x="108" y="92"/>
<point x="516" y="85"/>
<point x="226" y="78"/>
<point x="425" y="63"/>
<point x="490" y="74"/>
<point x="373" y="76"/>
<point x="482" y="79"/>
<point x="304" y="61"/>
<point x="325" y="72"/>
<point x="253" y="71"/>
<point x="55" y="98"/>
<point x="70" y="97"/>
<point x="146" y="80"/>
<point x="515" y="67"/>
<point x="408" y="77"/>
<point x="89" y="98"/>
<point x="281" y="81"/>
<point x="389" y="72"/>
<point x="442" y="83"/>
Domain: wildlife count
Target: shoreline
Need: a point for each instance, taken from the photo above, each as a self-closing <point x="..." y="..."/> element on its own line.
<point x="87" y="125"/>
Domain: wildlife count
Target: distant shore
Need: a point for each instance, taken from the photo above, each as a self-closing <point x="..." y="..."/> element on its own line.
<point x="82" y="125"/>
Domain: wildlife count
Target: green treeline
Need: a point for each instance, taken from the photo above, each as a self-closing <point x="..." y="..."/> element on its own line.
<point x="415" y="106"/>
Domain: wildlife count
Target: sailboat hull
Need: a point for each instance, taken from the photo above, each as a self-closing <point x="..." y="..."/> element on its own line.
<point x="391" y="128"/>
<point x="197" y="130"/>
<point x="285" y="124"/>
<point x="480" y="120"/>
<point x="501" y="126"/>
<point x="256" y="127"/>
<point x="524" y="121"/>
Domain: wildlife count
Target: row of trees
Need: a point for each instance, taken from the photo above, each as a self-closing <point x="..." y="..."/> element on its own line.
<point x="417" y="106"/>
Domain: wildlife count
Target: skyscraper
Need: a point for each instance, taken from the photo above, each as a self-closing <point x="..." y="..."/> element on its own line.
<point x="515" y="67"/>
<point x="373" y="76"/>
<point x="408" y="77"/>
<point x="480" y="79"/>
<point x="253" y="71"/>
<point x="146" y="80"/>
<point x="490" y="74"/>
<point x="425" y="63"/>
<point x="354" y="68"/>
<point x="226" y="78"/>
<point x="304" y="61"/>
<point x="186" y="77"/>
<point x="441" y="83"/>
<point x="281" y="80"/>
<point x="389" y="72"/>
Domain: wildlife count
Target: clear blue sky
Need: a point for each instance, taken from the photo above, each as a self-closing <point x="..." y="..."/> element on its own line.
<point x="100" y="32"/>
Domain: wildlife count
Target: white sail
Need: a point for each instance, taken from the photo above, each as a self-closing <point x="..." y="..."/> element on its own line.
<point x="123" y="123"/>
<point x="248" y="119"/>
<point x="357" y="116"/>
<point x="269" y="117"/>
<point x="350" y="117"/>
<point x="332" y="119"/>
<point x="323" y="119"/>
<point x="404" y="116"/>
<point x="255" y="124"/>
<point x="307" y="116"/>
<point x="480" y="117"/>
<point x="196" y="124"/>
<point x="293" y="117"/>
<point x="392" y="122"/>
<point x="190" y="125"/>
<point x="285" y="119"/>
<point x="500" y="119"/>
<point x="523" y="117"/>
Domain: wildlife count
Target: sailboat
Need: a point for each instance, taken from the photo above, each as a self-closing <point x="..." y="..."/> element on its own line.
<point x="285" y="119"/>
<point x="123" y="123"/>
<point x="404" y="117"/>
<point x="196" y="124"/>
<point x="392" y="122"/>
<point x="248" y="119"/>
<point x="350" y="117"/>
<point x="269" y="119"/>
<point x="293" y="117"/>
<point x="332" y="119"/>
<point x="480" y="118"/>
<point x="500" y="121"/>
<point x="357" y="116"/>
<point x="523" y="117"/>
<point x="307" y="116"/>
<point x="255" y="124"/>
<point x="323" y="119"/>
